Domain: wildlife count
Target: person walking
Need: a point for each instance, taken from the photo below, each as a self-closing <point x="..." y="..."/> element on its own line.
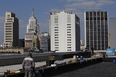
<point x="92" y="49"/>
<point x="86" y="53"/>
<point x="86" y="49"/>
<point x="28" y="64"/>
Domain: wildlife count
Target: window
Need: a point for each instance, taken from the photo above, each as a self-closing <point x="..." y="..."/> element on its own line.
<point x="68" y="30"/>
<point x="68" y="44"/>
<point x="68" y="48"/>
<point x="8" y="33"/>
<point x="68" y="39"/>
<point x="9" y="19"/>
<point x="55" y="19"/>
<point x="56" y="34"/>
<point x="56" y="25"/>
<point x="68" y="26"/>
<point x="56" y="39"/>
<point x="33" y="43"/>
<point x="56" y="43"/>
<point x="56" y="29"/>
<point x="8" y="28"/>
<point x="56" y="48"/>
<point x="8" y="16"/>
<point x="68" y="18"/>
<point x="8" y="23"/>
<point x="8" y="38"/>
<point x="68" y="34"/>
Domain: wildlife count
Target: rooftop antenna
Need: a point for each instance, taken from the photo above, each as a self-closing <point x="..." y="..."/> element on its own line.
<point x="33" y="9"/>
<point x="33" y="12"/>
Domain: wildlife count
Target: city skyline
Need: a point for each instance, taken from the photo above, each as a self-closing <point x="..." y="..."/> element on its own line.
<point x="24" y="9"/>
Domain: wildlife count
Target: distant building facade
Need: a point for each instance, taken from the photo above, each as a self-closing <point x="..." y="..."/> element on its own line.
<point x="109" y="43"/>
<point x="113" y="32"/>
<point x="21" y="43"/>
<point x="11" y="31"/>
<point x="45" y="41"/>
<point x="82" y="47"/>
<point x="96" y="29"/>
<point x="12" y="50"/>
<point x="32" y="30"/>
<point x="64" y="30"/>
<point x="35" y="42"/>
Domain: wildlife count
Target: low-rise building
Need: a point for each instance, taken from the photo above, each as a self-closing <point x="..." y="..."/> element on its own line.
<point x="12" y="50"/>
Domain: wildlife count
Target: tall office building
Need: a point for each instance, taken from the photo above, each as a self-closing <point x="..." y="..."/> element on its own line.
<point x="113" y="32"/>
<point x="64" y="29"/>
<point x="96" y="29"/>
<point x="45" y="41"/>
<point x="32" y="30"/>
<point x="11" y="30"/>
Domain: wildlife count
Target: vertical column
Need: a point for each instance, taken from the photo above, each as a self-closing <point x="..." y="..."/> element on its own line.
<point x="107" y="29"/>
<point x="100" y="33"/>
<point x="93" y="26"/>
<point x="97" y="30"/>
<point x="104" y="28"/>
<point x="89" y="32"/>
<point x="85" y="18"/>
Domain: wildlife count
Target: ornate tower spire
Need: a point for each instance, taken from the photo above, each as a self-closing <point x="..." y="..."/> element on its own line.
<point x="33" y="12"/>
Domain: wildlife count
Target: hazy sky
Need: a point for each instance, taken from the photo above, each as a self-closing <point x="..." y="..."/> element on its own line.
<point x="42" y="9"/>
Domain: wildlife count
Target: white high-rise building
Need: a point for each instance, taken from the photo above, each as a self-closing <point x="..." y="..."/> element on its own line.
<point x="11" y="30"/>
<point x="64" y="29"/>
<point x="32" y="29"/>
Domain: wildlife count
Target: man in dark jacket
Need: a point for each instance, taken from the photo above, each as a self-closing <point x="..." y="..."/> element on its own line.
<point x="92" y="49"/>
<point x="28" y="65"/>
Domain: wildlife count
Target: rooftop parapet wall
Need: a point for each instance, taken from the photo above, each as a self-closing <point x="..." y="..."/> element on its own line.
<point x="17" y="59"/>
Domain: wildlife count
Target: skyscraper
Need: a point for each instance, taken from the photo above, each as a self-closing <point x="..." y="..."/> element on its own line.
<point x="64" y="29"/>
<point x="32" y="29"/>
<point x="113" y="32"/>
<point x="96" y="29"/>
<point x="11" y="30"/>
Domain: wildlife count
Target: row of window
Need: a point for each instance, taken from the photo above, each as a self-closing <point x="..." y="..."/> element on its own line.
<point x="68" y="19"/>
<point x="57" y="48"/>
